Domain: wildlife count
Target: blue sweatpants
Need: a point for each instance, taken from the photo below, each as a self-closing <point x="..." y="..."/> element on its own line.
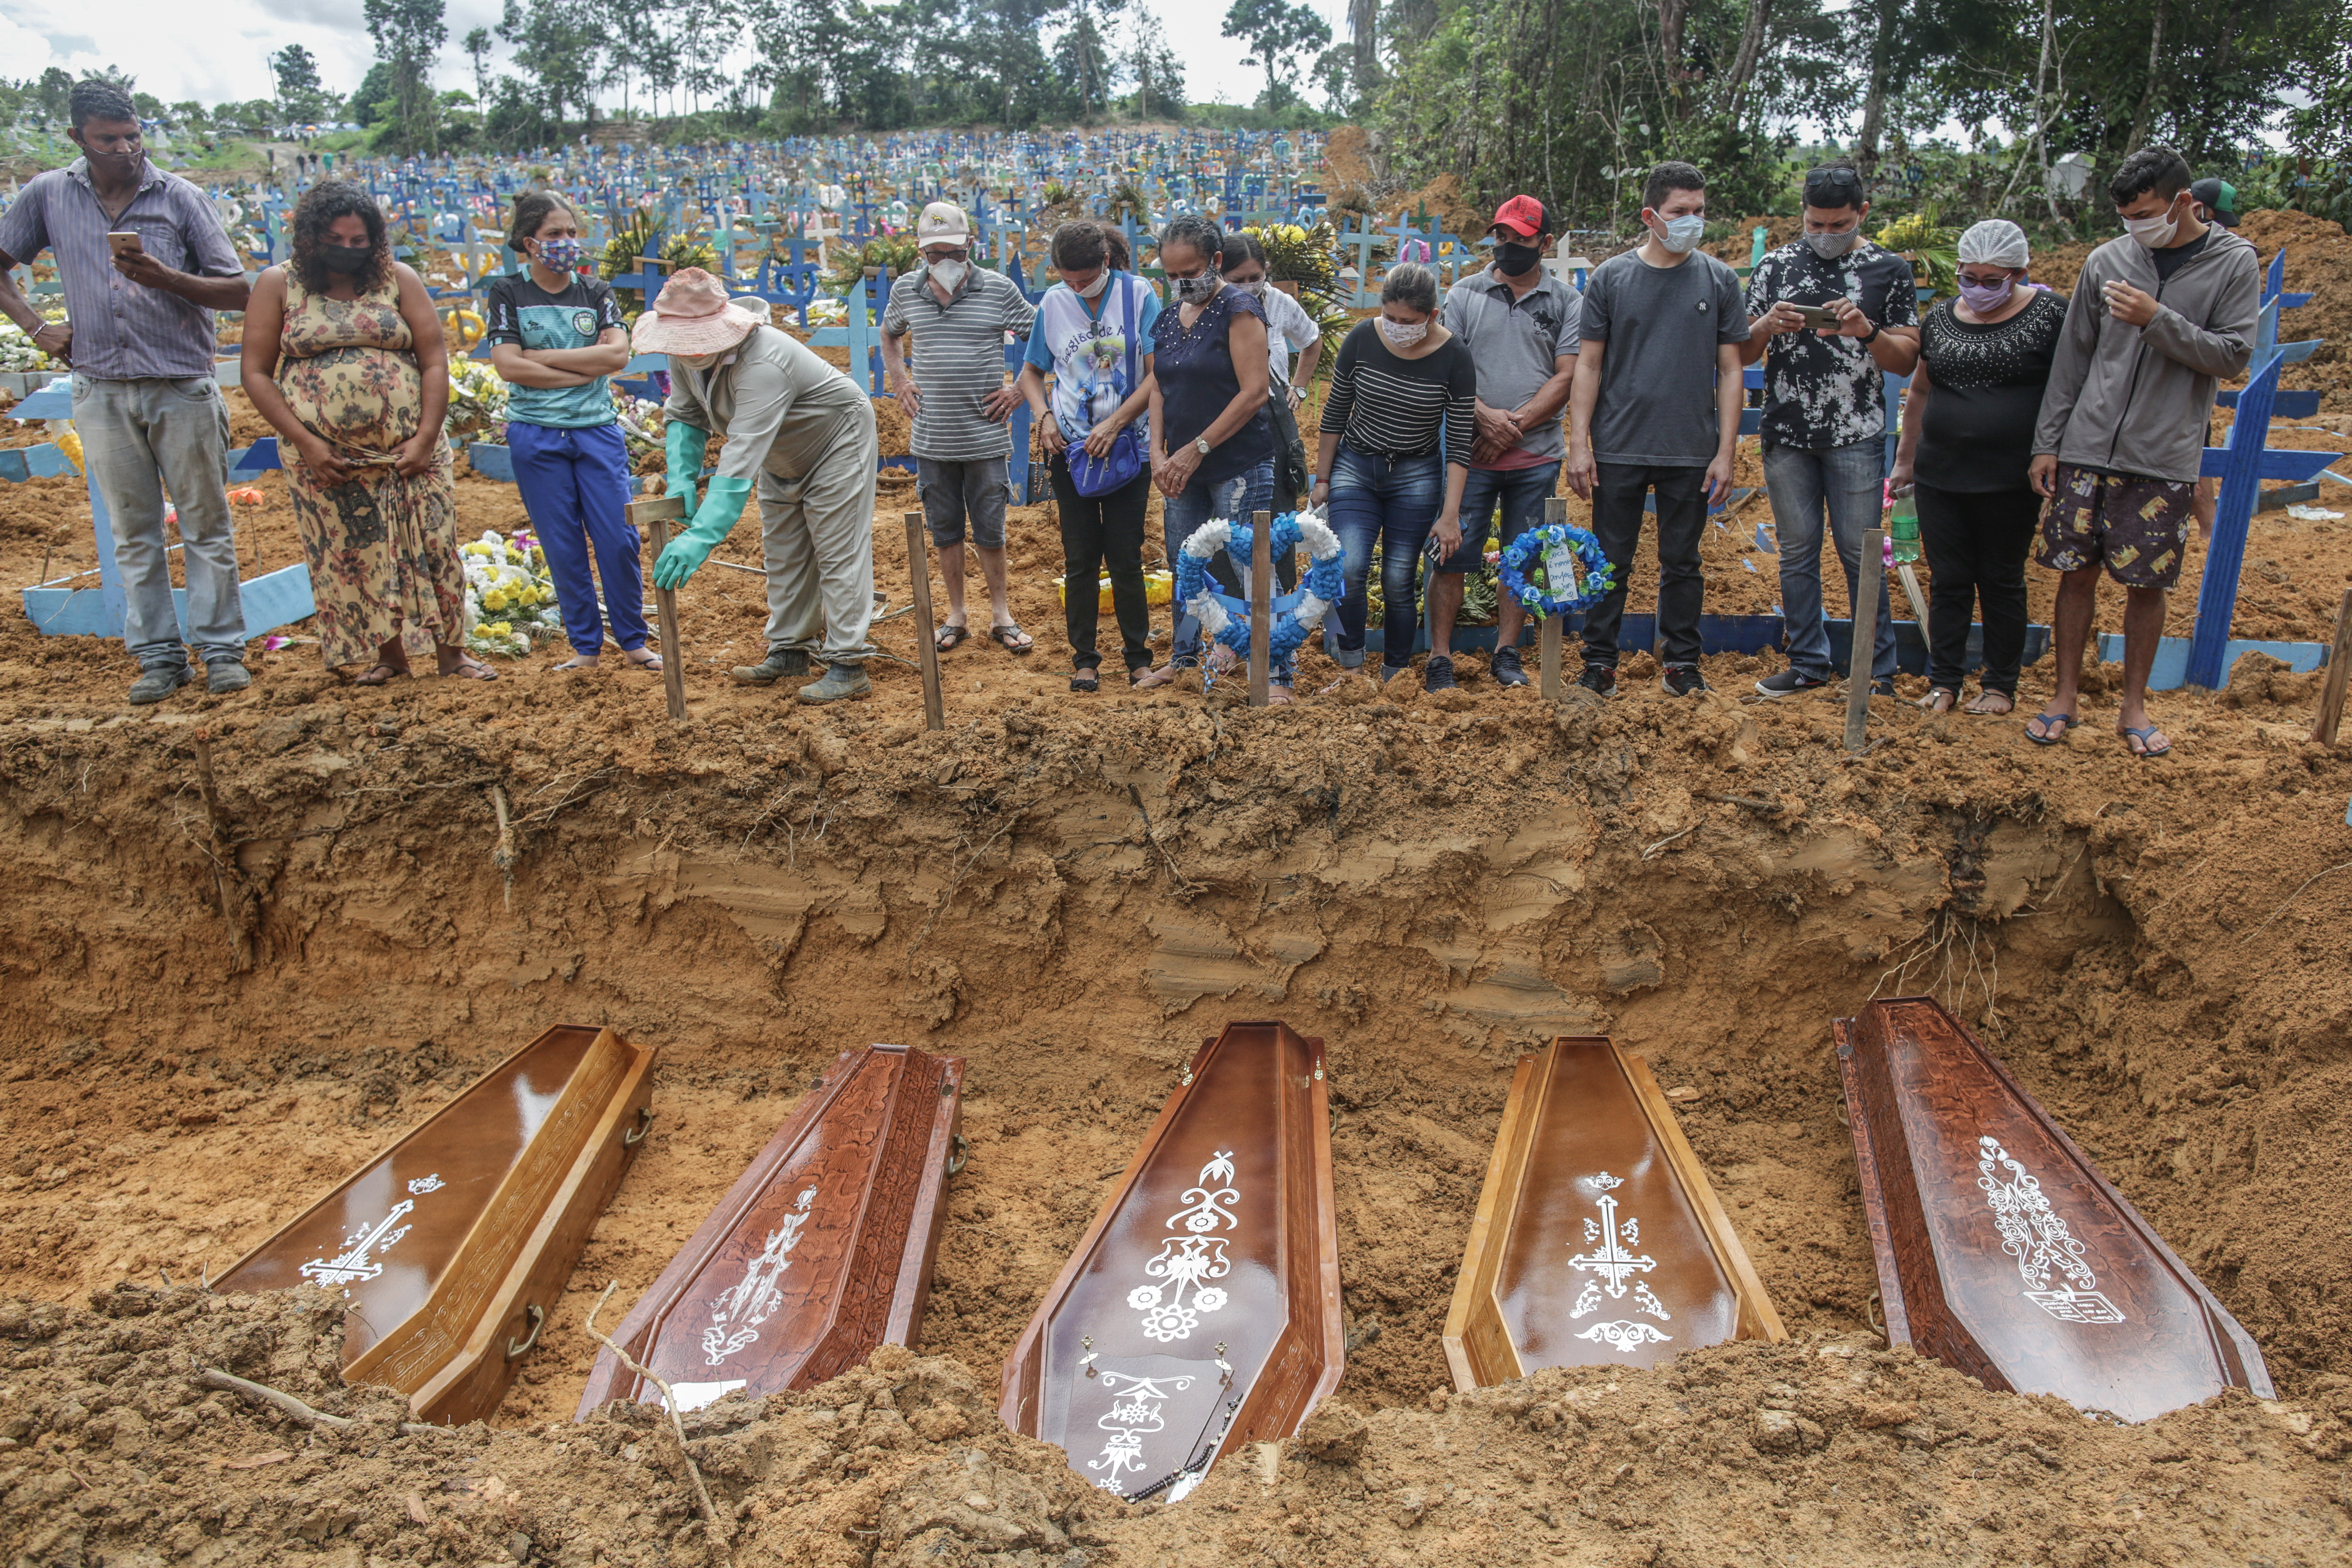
<point x="575" y="485"/>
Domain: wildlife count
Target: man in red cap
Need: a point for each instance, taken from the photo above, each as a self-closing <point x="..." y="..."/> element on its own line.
<point x="1519" y="322"/>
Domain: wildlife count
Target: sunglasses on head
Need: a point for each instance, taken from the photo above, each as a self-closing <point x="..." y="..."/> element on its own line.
<point x="1834" y="180"/>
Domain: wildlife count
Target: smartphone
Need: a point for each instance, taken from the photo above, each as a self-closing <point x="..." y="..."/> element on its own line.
<point x="124" y="242"/>
<point x="1818" y="315"/>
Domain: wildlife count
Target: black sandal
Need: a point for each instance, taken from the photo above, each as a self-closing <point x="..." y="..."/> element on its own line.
<point x="947" y="640"/>
<point x="1086" y="680"/>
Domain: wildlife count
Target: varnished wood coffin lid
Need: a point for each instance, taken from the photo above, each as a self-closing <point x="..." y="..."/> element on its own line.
<point x="820" y="1252"/>
<point x="453" y="1243"/>
<point x="1222" y="1232"/>
<point x="2000" y="1248"/>
<point x="1599" y="1240"/>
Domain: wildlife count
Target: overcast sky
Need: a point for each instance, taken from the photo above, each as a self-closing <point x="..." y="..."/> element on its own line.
<point x="222" y="58"/>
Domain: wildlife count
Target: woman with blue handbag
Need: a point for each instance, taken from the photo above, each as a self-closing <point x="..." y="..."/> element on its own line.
<point x="1093" y="332"/>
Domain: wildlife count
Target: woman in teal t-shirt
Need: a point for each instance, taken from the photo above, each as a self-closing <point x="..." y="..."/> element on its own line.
<point x="555" y="336"/>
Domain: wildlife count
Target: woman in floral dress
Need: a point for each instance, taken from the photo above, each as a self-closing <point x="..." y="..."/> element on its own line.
<point x="344" y="356"/>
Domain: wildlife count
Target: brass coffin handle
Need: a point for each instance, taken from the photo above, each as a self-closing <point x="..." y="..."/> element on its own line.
<point x="636" y="1135"/>
<point x="961" y="1157"/>
<point x="537" y="1321"/>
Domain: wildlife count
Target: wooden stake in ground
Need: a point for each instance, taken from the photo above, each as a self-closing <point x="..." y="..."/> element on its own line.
<point x="2339" y="676"/>
<point x="919" y="567"/>
<point x="1865" y="639"/>
<point x="656" y="515"/>
<point x="1261" y="607"/>
<point x="1549" y="632"/>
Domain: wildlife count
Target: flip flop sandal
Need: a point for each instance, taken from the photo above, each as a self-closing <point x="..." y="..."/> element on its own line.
<point x="2144" y="752"/>
<point x="473" y="669"/>
<point x="1977" y="709"/>
<point x="947" y="640"/>
<point x="570" y="664"/>
<point x="378" y="675"/>
<point x="1011" y="638"/>
<point x="1086" y="680"/>
<point x="651" y="662"/>
<point x="1949" y="696"/>
<point x="2048" y="736"/>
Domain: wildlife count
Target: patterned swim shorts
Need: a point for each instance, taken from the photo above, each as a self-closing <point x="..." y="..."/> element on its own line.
<point x="2139" y="527"/>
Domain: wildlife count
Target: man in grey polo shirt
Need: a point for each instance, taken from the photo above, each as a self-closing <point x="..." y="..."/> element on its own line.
<point x="141" y="345"/>
<point x="957" y="393"/>
<point x="1519" y="322"/>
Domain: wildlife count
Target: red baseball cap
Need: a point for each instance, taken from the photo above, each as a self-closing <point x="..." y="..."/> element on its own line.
<point x="1523" y="216"/>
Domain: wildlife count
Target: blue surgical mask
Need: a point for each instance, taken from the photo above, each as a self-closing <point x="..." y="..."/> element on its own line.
<point x="1681" y="235"/>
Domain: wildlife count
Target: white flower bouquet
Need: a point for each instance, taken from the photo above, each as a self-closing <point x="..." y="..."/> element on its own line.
<point x="510" y="598"/>
<point x="18" y="353"/>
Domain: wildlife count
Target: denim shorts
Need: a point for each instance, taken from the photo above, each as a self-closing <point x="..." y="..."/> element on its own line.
<point x="1520" y="492"/>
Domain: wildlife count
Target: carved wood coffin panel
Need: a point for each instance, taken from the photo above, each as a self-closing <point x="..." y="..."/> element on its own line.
<point x="1598" y="1240"/>
<point x="1201" y="1307"/>
<point x="452" y="1243"/>
<point x="820" y="1252"/>
<point x="2002" y="1250"/>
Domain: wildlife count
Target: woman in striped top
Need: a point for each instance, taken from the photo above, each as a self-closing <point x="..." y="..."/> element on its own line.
<point x="1402" y="385"/>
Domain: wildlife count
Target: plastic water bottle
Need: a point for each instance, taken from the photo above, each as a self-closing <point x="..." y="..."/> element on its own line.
<point x="1903" y="530"/>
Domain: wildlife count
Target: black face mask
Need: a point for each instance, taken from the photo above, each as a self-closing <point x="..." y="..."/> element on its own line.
<point x="1513" y="260"/>
<point x="346" y="260"/>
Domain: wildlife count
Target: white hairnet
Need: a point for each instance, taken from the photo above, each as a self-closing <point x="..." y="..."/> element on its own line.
<point x="1995" y="242"/>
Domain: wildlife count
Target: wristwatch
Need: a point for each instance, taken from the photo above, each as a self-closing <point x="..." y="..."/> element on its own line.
<point x="1200" y="445"/>
<point x="1869" y="337"/>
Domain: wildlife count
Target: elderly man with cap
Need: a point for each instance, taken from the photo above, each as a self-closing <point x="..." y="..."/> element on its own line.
<point x="957" y="395"/>
<point x="804" y="435"/>
<point x="1967" y="442"/>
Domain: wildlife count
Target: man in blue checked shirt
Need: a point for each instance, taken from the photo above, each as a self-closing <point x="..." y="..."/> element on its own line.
<point x="145" y="263"/>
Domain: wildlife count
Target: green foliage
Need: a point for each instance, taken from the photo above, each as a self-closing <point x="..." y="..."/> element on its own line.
<point x="1278" y="33"/>
<point x="409" y="35"/>
<point x="894" y="253"/>
<point x="1935" y="244"/>
<point x="301" y="96"/>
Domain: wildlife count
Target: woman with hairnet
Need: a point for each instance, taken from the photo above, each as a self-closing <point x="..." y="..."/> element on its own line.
<point x="1968" y="440"/>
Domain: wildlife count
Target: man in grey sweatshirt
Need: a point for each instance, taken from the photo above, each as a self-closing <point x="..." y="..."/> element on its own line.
<point x="2158" y="317"/>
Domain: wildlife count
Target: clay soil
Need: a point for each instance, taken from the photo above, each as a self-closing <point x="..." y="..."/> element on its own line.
<point x="1071" y="892"/>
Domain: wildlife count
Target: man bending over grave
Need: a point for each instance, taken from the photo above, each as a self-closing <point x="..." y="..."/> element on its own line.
<point x="2157" y="316"/>
<point x="145" y="263"/>
<point x="797" y="428"/>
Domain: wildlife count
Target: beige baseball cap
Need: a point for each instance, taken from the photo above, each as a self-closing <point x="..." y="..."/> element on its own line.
<point x="943" y="223"/>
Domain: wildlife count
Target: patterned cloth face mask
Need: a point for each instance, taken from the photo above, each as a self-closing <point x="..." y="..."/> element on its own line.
<point x="1403" y="334"/>
<point x="558" y="254"/>
<point x="1197" y="290"/>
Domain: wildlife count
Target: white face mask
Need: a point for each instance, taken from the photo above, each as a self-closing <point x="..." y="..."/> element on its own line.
<point x="948" y="274"/>
<point x="2154" y="233"/>
<point x="696" y="362"/>
<point x="1403" y="334"/>
<point x="1681" y="235"/>
<point x="1095" y="287"/>
<point x="1255" y="290"/>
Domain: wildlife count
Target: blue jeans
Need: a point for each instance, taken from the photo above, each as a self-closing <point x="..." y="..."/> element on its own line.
<point x="1848" y="481"/>
<point x="1393" y="501"/>
<point x="1520" y="492"/>
<point x="575" y="485"/>
<point x="1234" y="500"/>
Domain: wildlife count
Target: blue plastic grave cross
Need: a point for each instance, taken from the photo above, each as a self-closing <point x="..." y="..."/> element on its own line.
<point x="2241" y="464"/>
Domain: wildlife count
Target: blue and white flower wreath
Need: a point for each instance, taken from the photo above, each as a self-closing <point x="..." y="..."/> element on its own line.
<point x="1295" y="614"/>
<point x="1600" y="571"/>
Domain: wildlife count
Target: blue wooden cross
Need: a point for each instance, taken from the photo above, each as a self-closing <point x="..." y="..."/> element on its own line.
<point x="2241" y="464"/>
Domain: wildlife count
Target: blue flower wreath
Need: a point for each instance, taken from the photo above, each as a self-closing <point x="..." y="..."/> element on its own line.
<point x="1295" y="614"/>
<point x="1600" y="574"/>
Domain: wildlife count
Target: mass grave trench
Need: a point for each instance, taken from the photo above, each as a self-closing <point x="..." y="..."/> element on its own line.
<point x="185" y="1111"/>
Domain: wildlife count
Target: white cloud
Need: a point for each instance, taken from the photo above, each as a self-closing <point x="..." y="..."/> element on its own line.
<point x="218" y="51"/>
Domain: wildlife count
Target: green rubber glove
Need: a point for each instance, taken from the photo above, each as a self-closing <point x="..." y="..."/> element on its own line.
<point x="719" y="513"/>
<point x="683" y="446"/>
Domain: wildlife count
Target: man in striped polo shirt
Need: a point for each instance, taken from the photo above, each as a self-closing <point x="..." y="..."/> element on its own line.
<point x="957" y="394"/>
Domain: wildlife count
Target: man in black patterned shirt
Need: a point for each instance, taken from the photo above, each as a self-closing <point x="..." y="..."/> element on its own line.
<point x="1824" y="422"/>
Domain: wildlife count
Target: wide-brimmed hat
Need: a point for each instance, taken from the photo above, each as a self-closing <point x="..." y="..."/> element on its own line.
<point x="692" y="316"/>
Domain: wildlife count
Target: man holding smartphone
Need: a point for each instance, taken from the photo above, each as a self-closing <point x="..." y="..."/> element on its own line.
<point x="1828" y="314"/>
<point x="145" y="263"/>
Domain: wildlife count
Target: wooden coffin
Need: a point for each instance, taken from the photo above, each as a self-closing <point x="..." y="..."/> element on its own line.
<point x="2000" y="1251"/>
<point x="1201" y="1307"/>
<point x="452" y="1245"/>
<point x="820" y="1252"/>
<point x="1598" y="1240"/>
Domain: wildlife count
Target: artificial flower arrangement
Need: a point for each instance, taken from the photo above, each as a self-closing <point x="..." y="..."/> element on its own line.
<point x="510" y="599"/>
<point x="478" y="401"/>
